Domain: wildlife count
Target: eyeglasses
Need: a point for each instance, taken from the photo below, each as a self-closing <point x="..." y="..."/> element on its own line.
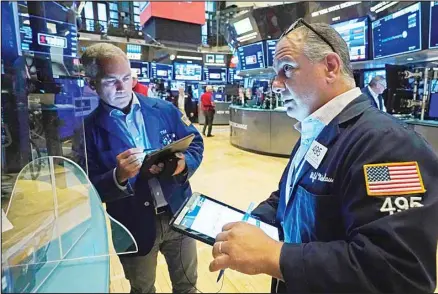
<point x="297" y="25"/>
<point x="302" y="21"/>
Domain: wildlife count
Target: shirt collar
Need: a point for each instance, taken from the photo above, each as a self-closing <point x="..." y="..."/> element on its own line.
<point x="314" y="123"/>
<point x="114" y="111"/>
<point x="375" y="96"/>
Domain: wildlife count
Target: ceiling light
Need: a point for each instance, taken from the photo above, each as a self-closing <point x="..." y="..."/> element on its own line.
<point x="409" y="59"/>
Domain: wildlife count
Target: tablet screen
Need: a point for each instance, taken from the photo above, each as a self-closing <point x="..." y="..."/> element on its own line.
<point x="203" y="218"/>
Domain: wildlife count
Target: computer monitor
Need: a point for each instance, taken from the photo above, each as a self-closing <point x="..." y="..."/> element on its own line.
<point x="161" y="71"/>
<point x="142" y="69"/>
<point x="215" y="74"/>
<point x="188" y="71"/>
<point x="355" y="34"/>
<point x="251" y="56"/>
<point x="433" y="106"/>
<point x="433" y="26"/>
<point x="397" y="33"/>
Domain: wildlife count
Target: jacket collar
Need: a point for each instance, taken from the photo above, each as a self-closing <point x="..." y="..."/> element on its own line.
<point x="333" y="129"/>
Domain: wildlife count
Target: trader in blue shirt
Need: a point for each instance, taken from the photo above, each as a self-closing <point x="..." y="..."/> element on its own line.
<point x="357" y="204"/>
<point x="117" y="135"/>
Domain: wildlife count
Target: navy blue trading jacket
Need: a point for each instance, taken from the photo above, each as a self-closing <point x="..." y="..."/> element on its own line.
<point x="134" y="207"/>
<point x="345" y="240"/>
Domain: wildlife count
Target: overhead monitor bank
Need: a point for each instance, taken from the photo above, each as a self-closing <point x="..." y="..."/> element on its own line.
<point x="188" y="71"/>
<point x="161" y="71"/>
<point x="398" y="33"/>
<point x="252" y="56"/>
<point x="215" y="74"/>
<point x="355" y="34"/>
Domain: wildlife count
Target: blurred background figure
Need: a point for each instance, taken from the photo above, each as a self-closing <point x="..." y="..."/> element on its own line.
<point x="181" y="100"/>
<point x="374" y="92"/>
<point x="208" y="108"/>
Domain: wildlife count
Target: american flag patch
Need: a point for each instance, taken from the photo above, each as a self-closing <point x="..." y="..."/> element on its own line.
<point x="385" y="179"/>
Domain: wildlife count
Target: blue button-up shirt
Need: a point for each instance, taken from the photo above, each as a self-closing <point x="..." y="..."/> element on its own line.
<point x="133" y="127"/>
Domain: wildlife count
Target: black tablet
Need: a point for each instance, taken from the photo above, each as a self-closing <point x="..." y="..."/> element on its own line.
<point x="154" y="157"/>
<point x="202" y="218"/>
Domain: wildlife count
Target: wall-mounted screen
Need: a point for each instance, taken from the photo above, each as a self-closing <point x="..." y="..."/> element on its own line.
<point x="214" y="59"/>
<point x="161" y="71"/>
<point x="355" y="34"/>
<point x="369" y="75"/>
<point x="433" y="27"/>
<point x="232" y="75"/>
<point x="243" y="26"/>
<point x="251" y="56"/>
<point x="142" y="69"/>
<point x="397" y="33"/>
<point x="215" y="74"/>
<point x="188" y="71"/>
<point x="133" y="51"/>
<point x="270" y="52"/>
<point x="59" y="38"/>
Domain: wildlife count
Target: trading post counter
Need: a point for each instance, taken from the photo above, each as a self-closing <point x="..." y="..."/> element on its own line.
<point x="222" y="115"/>
<point x="269" y="132"/>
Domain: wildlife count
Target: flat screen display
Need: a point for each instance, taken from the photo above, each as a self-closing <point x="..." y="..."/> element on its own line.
<point x="60" y="38"/>
<point x="397" y="33"/>
<point x="355" y="34"/>
<point x="142" y="69"/>
<point x="161" y="71"/>
<point x="212" y="74"/>
<point x="270" y="52"/>
<point x="433" y="106"/>
<point x="251" y="56"/>
<point x="243" y="26"/>
<point x="188" y="71"/>
<point x="433" y="27"/>
<point x="214" y="59"/>
<point x="369" y="75"/>
<point x="232" y="75"/>
<point x="133" y="51"/>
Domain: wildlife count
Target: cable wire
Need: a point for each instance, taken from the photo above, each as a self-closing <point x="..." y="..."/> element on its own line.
<point x="185" y="274"/>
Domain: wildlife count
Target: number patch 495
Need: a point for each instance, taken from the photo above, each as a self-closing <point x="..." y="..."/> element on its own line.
<point x="400" y="204"/>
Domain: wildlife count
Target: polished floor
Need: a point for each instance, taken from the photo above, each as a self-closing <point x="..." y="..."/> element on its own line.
<point x="232" y="176"/>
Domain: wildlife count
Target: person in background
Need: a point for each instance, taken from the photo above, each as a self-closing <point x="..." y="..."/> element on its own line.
<point x="356" y="206"/>
<point x="189" y="105"/>
<point x="118" y="135"/>
<point x="137" y="86"/>
<point x="208" y="108"/>
<point x="181" y="100"/>
<point x="374" y="92"/>
<point x="152" y="92"/>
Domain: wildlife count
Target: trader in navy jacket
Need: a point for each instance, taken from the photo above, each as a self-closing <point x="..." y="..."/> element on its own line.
<point x="357" y="203"/>
<point x="118" y="134"/>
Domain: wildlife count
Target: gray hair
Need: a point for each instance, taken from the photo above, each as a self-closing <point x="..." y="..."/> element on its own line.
<point x="375" y="80"/>
<point x="96" y="52"/>
<point x="317" y="49"/>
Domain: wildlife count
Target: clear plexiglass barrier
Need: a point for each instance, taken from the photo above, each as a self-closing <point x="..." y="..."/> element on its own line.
<point x="55" y="215"/>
